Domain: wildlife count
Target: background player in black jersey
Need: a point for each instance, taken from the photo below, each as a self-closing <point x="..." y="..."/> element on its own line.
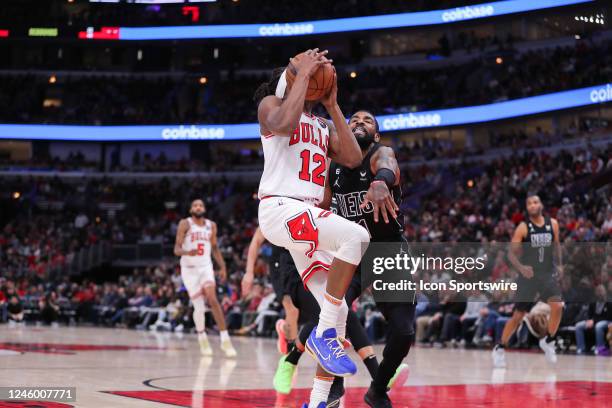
<point x="370" y="196"/>
<point x="535" y="244"/>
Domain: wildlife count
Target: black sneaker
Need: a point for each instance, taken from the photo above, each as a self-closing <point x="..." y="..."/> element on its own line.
<point x="376" y="399"/>
<point x="335" y="393"/>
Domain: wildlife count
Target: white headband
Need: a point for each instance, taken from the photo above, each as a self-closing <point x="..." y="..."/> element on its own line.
<point x="281" y="86"/>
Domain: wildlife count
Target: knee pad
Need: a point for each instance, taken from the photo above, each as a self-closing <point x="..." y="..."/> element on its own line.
<point x="351" y="246"/>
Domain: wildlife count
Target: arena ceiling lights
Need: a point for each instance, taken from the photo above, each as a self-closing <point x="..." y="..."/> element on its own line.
<point x="402" y="121"/>
<point x="422" y="18"/>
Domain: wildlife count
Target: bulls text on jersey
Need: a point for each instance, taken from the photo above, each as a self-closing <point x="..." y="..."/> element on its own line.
<point x="305" y="133"/>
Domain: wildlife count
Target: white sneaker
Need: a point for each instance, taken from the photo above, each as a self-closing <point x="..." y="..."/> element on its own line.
<point x="549" y="350"/>
<point x="499" y="357"/>
<point x="228" y="349"/>
<point x="205" y="348"/>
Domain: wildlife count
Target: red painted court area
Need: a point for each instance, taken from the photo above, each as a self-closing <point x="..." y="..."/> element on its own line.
<point x="60" y="348"/>
<point x="524" y="395"/>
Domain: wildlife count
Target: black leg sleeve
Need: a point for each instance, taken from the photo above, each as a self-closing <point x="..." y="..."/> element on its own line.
<point x="400" y="317"/>
<point x="356" y="332"/>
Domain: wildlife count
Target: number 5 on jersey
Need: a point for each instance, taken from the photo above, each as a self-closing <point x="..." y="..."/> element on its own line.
<point x="200" y="249"/>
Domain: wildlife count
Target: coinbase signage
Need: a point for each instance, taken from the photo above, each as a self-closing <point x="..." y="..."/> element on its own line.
<point x="496" y="111"/>
<point x="130" y="133"/>
<point x="402" y="121"/>
<point x="421" y="18"/>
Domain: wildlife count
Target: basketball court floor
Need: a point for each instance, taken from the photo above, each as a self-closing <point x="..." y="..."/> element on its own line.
<point x="127" y="368"/>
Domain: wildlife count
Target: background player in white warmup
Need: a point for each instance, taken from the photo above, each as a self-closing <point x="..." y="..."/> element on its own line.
<point x="196" y="241"/>
<point x="325" y="247"/>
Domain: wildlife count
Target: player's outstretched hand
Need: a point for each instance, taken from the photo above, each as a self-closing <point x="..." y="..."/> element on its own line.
<point x="193" y="252"/>
<point x="310" y="61"/>
<point x="331" y="99"/>
<point x="379" y="195"/>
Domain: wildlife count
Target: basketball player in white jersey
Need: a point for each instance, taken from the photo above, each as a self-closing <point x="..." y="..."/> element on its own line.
<point x="325" y="247"/>
<point x="196" y="241"/>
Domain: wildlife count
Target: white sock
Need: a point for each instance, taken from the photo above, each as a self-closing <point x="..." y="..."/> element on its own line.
<point x="328" y="318"/>
<point x="224" y="335"/>
<point x="341" y="322"/>
<point x="202" y="336"/>
<point x="320" y="390"/>
<point x="341" y="329"/>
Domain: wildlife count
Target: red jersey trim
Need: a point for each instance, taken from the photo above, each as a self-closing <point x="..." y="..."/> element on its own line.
<point x="314" y="267"/>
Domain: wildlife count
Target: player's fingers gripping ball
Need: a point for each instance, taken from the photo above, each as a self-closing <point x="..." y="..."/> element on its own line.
<point x="320" y="83"/>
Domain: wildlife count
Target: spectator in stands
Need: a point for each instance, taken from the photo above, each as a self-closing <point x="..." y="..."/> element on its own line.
<point x="492" y="320"/>
<point x="15" y="311"/>
<point x="598" y="318"/>
<point x="2" y="304"/>
<point x="476" y="301"/>
<point x="453" y="307"/>
<point x="48" y="309"/>
<point x="429" y="315"/>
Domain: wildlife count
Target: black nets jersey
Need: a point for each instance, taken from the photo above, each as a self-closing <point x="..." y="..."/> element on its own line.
<point x="349" y="187"/>
<point x="538" y="248"/>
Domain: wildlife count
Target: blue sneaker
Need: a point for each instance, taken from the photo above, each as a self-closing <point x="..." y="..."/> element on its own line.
<point x="330" y="354"/>
<point x="321" y="405"/>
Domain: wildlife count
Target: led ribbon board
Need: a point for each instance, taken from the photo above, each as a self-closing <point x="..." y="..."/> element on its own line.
<point x="403" y="121"/>
<point x="415" y="19"/>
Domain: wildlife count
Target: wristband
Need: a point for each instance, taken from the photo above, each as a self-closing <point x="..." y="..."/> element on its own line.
<point x="385" y="175"/>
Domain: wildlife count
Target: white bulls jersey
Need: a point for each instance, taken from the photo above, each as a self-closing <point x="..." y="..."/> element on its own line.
<point x="198" y="238"/>
<point x="296" y="166"/>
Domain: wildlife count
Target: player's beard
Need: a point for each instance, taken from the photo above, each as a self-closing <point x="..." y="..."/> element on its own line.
<point x="536" y="213"/>
<point x="364" y="138"/>
<point x="198" y="214"/>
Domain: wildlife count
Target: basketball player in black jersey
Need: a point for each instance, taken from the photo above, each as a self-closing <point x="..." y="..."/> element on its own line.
<point x="536" y="254"/>
<point x="370" y="195"/>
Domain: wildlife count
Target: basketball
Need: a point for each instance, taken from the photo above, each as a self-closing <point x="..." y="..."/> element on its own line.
<point x="320" y="83"/>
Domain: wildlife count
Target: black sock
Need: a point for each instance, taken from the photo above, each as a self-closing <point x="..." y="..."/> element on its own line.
<point x="294" y="355"/>
<point x="499" y="346"/>
<point x="371" y="364"/>
<point x="290" y="345"/>
<point x="550" y="337"/>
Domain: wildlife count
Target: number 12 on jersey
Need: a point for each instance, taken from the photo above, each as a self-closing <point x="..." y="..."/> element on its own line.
<point x="317" y="176"/>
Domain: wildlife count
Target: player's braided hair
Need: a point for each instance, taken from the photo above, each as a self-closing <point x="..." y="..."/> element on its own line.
<point x="269" y="87"/>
